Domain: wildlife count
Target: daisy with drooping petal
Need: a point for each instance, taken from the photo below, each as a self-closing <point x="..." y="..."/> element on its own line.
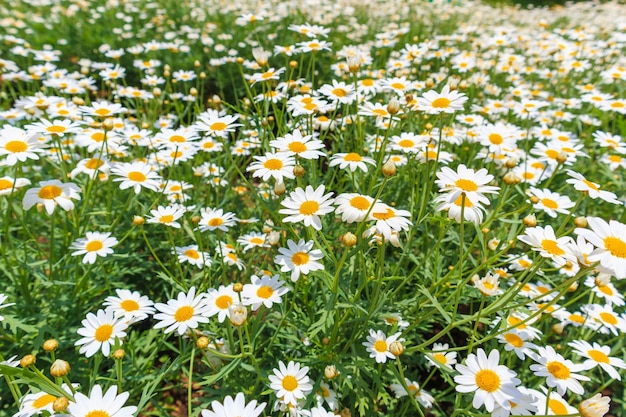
<point x="472" y="212"/>
<point x="517" y="342"/>
<point x="216" y="125"/>
<point x="445" y="102"/>
<point x="131" y="305"/>
<point x="560" y="373"/>
<point x="305" y="147"/>
<point x="351" y="160"/>
<point x="265" y="290"/>
<point x="273" y="165"/>
<point x="219" y="301"/>
<point x="354" y="207"/>
<point x="212" y="219"/>
<point x="378" y="343"/>
<point x="299" y="258"/>
<point x="465" y="181"/>
<point x="253" y="240"/>
<point x="389" y="220"/>
<point x="598" y="355"/>
<point x="609" y="320"/>
<point x="602" y="287"/>
<point x="307" y="205"/>
<point x="10" y="184"/>
<point x="422" y="397"/>
<point x="234" y="408"/>
<point x="36" y="404"/>
<point x="193" y="255"/>
<point x="166" y="216"/>
<point x="610" y="242"/>
<point x="102" y="109"/>
<point x="50" y="194"/>
<point x="182" y="313"/>
<point x="100" y="331"/>
<point x="18" y="145"/>
<point x="135" y="175"/>
<point x="491" y="382"/>
<point x="555" y="404"/>
<point x="290" y="382"/>
<point x="441" y="357"/>
<point x="97" y="405"/>
<point x="546" y="243"/>
<point x="591" y="188"/>
<point x="550" y="202"/>
<point x="94" y="244"/>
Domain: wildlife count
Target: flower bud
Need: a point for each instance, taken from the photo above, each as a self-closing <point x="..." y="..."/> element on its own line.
<point x="238" y="287"/>
<point x="193" y="91"/>
<point x="530" y="220"/>
<point x="60" y="404"/>
<point x="349" y="239"/>
<point x="202" y="342"/>
<point x="511" y="179"/>
<point x="510" y="163"/>
<point x="558" y="328"/>
<point x="59" y="368"/>
<point x="138" y="220"/>
<point x="561" y="158"/>
<point x="119" y="354"/>
<point x="580" y="221"/>
<point x="396" y="348"/>
<point x="298" y="171"/>
<point x="534" y="199"/>
<point x="354" y="63"/>
<point x="238" y="314"/>
<point x="239" y="60"/>
<point x="331" y="372"/>
<point x="279" y="188"/>
<point x="50" y="345"/>
<point x="394" y="106"/>
<point x="27" y="361"/>
<point x="293" y="64"/>
<point x="273" y="238"/>
<point x="389" y="169"/>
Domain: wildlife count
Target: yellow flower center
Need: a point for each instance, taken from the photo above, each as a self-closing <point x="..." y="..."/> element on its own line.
<point x="297" y="147"/>
<point x="466" y="185"/>
<point x="5" y="184"/>
<point x="192" y="253"/>
<point x="300" y="258"/>
<point x="215" y="221"/>
<point x="183" y="313"/>
<point x="56" y="129"/>
<point x="441" y="358"/>
<point x="605" y="289"/>
<point x="487" y="380"/>
<point x="97" y="137"/>
<point x="97" y="413"/>
<point x="93" y="163"/>
<point x="496" y="139"/>
<point x="552" y="247"/>
<point x="360" y="203"/>
<point x="218" y="126"/>
<point x="598" y="356"/>
<point x="368" y="82"/>
<point x="167" y="218"/>
<point x="616" y="246"/>
<point x="137" y="176"/>
<point x="339" y="92"/>
<point x="352" y="157"/>
<point x="441" y="103"/>
<point x="514" y="340"/>
<point x="552" y="154"/>
<point x="608" y="318"/>
<point x="549" y="203"/>
<point x="43" y="401"/>
<point x="380" y="346"/>
<point x="617" y="105"/>
<point x="406" y="143"/>
<point x="459" y="202"/>
<point x="558" y="370"/>
<point x="309" y="207"/>
<point x="265" y="291"/>
<point x="398" y="86"/>
<point x="257" y="241"/>
<point x="389" y="214"/>
<point x="290" y="383"/>
<point x="102" y="112"/>
<point x="129" y="305"/>
<point x="577" y="318"/>
<point x="515" y="322"/>
<point x="50" y="192"/>
<point x="557" y="407"/>
<point x="273" y="164"/>
<point x="177" y="139"/>
<point x="93" y="246"/>
<point x="223" y="301"/>
<point x="380" y="112"/>
<point x="103" y="333"/>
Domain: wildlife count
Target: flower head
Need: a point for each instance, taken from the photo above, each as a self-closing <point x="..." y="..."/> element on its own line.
<point x="290" y="382"/>
<point x="94" y="244"/>
<point x="99" y="332"/>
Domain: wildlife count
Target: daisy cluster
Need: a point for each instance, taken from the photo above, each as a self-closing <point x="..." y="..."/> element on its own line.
<point x="337" y="210"/>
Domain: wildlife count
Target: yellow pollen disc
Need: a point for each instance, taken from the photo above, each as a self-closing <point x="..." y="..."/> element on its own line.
<point x="16" y="146"/>
<point x="466" y="185"/>
<point x="102" y="112"/>
<point x="406" y="143"/>
<point x="431" y="155"/>
<point x="577" y="318"/>
<point x="208" y="145"/>
<point x="398" y="86"/>
<point x="43" y="401"/>
<point x="290" y="383"/>
<point x="488" y="285"/>
<point x="389" y="214"/>
<point x="605" y="289"/>
<point x="93" y="246"/>
<point x="487" y="380"/>
<point x="552" y="247"/>
<point x="441" y="103"/>
<point x="352" y="157"/>
<point x="360" y="203"/>
<point x="339" y="92"/>
<point x="215" y="221"/>
<point x="616" y="246"/>
<point x="557" y="407"/>
<point x="380" y="112"/>
<point x="615" y="158"/>
<point x="183" y="313"/>
<point x="93" y="163"/>
<point x="523" y="263"/>
<point x="177" y="139"/>
<point x="310" y="106"/>
<point x="218" y="126"/>
<point x="136" y="176"/>
<point x="323" y="119"/>
<point x="608" y="318"/>
<point x="558" y="370"/>
<point x="441" y="358"/>
<point x="273" y="164"/>
<point x="50" y="192"/>
<point x="56" y="129"/>
<point x="368" y="82"/>
<point x="257" y="241"/>
<point x="5" y="184"/>
<point x="297" y="147"/>
<point x="223" y="301"/>
<point x="309" y="208"/>
<point x="617" y="105"/>
<point x="549" y="203"/>
<point x="176" y="154"/>
<point x="192" y="253"/>
<point x="496" y="139"/>
<point x="459" y="202"/>
<point x="552" y="154"/>
<point x="265" y="291"/>
<point x="380" y="346"/>
<point x="514" y="340"/>
<point x="232" y="256"/>
<point x="300" y="258"/>
<point x="129" y="305"/>
<point x="167" y="218"/>
<point x="515" y="322"/>
<point x="598" y="356"/>
<point x="103" y="333"/>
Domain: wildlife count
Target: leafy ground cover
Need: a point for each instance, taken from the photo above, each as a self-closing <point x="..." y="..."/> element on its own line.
<point x="311" y="208"/>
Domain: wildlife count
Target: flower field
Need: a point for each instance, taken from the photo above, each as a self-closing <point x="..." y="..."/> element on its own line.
<point x="298" y="208"/>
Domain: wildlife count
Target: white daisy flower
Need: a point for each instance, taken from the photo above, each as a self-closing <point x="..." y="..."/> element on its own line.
<point x="182" y="313"/>
<point x="290" y="382"/>
<point x="299" y="258"/>
<point x="100" y="331"/>
<point x="94" y="244"/>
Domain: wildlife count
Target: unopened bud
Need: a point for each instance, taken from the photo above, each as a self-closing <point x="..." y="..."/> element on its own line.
<point x="119" y="354"/>
<point x="196" y="219"/>
<point x="561" y="158"/>
<point x="349" y="239"/>
<point x="354" y="63"/>
<point x="193" y="91"/>
<point x="331" y="372"/>
<point x="108" y="124"/>
<point x="239" y="60"/>
<point x="389" y="168"/>
<point x="238" y="287"/>
<point x="138" y="220"/>
<point x="196" y="63"/>
<point x="27" y="361"/>
<point x="78" y="101"/>
<point x="59" y="368"/>
<point x="428" y="126"/>
<point x="580" y="221"/>
<point x="430" y="83"/>
<point x="60" y="404"/>
<point x="396" y="348"/>
<point x="573" y="287"/>
<point x="530" y="220"/>
<point x="293" y="64"/>
<point x="298" y="171"/>
<point x="156" y="91"/>
<point x="534" y="199"/>
<point x="558" y="328"/>
<point x="50" y="345"/>
<point x="202" y="342"/>
<point x="510" y="178"/>
<point x="510" y="163"/>
<point x="279" y="188"/>
<point x="273" y="238"/>
<point x="238" y="314"/>
<point x="394" y="106"/>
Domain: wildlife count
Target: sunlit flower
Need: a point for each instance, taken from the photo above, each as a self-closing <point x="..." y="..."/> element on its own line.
<point x="102" y="109"/>
<point x="273" y="165"/>
<point x="441" y="357"/>
<point x="108" y="405"/>
<point x="351" y="160"/>
<point x="187" y="311"/>
<point x="216" y="219"/>
<point x="10" y="184"/>
<point x="551" y="202"/>
<point x="598" y="355"/>
<point x="290" y="382"/>
<point x="378" y="343"/>
<point x="220" y="300"/>
<point x="305" y="147"/>
<point x="234" y="408"/>
<point x="422" y="397"/>
<point x="465" y="181"/>
<point x="216" y="125"/>
<point x="265" y="290"/>
<point x="50" y="194"/>
<point x="596" y="406"/>
<point x="591" y="188"/>
<point x="307" y="206"/>
<point x="445" y="102"/>
<point x="546" y="243"/>
<point x="389" y="220"/>
<point x="299" y="258"/>
<point x="560" y="373"/>
<point x="610" y="242"/>
<point x="130" y="305"/>
<point x="100" y="331"/>
<point x="166" y="216"/>
<point x="354" y="207"/>
<point x="135" y="175"/>
<point x="94" y="244"/>
<point x="193" y="255"/>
